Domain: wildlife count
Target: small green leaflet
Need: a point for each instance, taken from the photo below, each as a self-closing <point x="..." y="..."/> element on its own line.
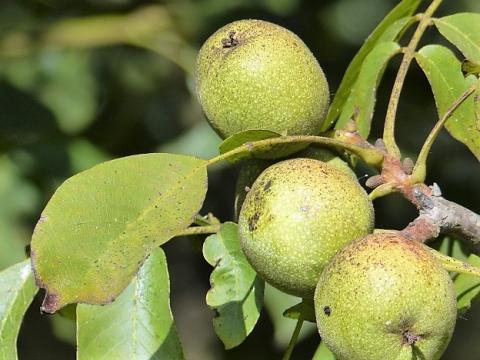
<point x="463" y="31"/>
<point x="100" y="225"/>
<point x="138" y="325"/>
<point x="17" y="290"/>
<point x="323" y="353"/>
<point x="391" y="27"/>
<point x="361" y="101"/>
<point x="236" y="294"/>
<point x="443" y="71"/>
<point x="467" y="286"/>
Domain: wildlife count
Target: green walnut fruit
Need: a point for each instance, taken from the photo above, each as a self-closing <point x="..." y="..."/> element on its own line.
<point x="252" y="74"/>
<point x="385" y="298"/>
<point x="296" y="216"/>
<point x="252" y="168"/>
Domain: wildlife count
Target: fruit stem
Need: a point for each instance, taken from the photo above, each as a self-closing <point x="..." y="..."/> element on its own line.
<point x="293" y="340"/>
<point x="198" y="230"/>
<point x="455" y="265"/>
<point x="369" y="154"/>
<point x="409" y="53"/>
<point x="420" y="170"/>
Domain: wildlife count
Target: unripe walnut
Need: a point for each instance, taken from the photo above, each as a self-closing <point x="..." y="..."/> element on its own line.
<point x="253" y="74"/>
<point x="296" y="216"/>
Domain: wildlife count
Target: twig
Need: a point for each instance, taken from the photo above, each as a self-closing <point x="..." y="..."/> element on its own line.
<point x="441" y="216"/>
<point x="409" y="53"/>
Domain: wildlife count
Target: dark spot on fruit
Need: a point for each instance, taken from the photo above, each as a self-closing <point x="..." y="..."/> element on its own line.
<point x="268" y="185"/>
<point x="327" y="310"/>
<point x="252" y="221"/>
<point x="231" y="41"/>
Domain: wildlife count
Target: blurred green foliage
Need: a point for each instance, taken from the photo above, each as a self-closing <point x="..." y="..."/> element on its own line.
<point x="85" y="81"/>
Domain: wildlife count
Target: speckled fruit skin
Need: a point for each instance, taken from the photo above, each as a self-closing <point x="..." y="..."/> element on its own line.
<point x="252" y="168"/>
<point x="296" y="216"/>
<point x="384" y="298"/>
<point x="252" y="74"/>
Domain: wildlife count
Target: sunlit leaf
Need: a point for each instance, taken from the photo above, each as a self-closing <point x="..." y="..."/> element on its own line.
<point x="463" y="31"/>
<point x="17" y="290"/>
<point x="137" y="325"/>
<point x="100" y="224"/>
<point x="443" y="71"/>
<point x="236" y="294"/>
<point x="388" y="30"/>
<point x="467" y="286"/>
<point x="361" y="101"/>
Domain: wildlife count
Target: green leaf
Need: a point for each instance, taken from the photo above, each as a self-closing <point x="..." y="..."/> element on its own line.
<point x="17" y="290"/>
<point x="467" y="286"/>
<point x="270" y="152"/>
<point x="137" y="325"/>
<point x="453" y="247"/>
<point x="304" y="308"/>
<point x="236" y="294"/>
<point x="443" y="71"/>
<point x="323" y="353"/>
<point x="276" y="302"/>
<point x="361" y="101"/>
<point x="463" y="31"/>
<point x="389" y="29"/>
<point x="100" y="225"/>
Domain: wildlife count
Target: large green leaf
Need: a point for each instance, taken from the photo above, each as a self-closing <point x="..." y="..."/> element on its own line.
<point x="100" y="225"/>
<point x="236" y="294"/>
<point x="323" y="353"/>
<point x="467" y="286"/>
<point x="388" y="30"/>
<point x="17" y="290"/>
<point x="463" y="31"/>
<point x="137" y="325"/>
<point x="443" y="71"/>
<point x="361" y="102"/>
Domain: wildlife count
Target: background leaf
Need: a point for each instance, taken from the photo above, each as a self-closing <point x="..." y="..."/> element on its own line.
<point x="443" y="71"/>
<point x="323" y="353"/>
<point x="361" y="101"/>
<point x="100" y="224"/>
<point x="276" y="302"/>
<point x="236" y="294"/>
<point x="467" y="286"/>
<point x="137" y="325"/>
<point x="17" y="290"/>
<point x="389" y="29"/>
<point x="463" y="31"/>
